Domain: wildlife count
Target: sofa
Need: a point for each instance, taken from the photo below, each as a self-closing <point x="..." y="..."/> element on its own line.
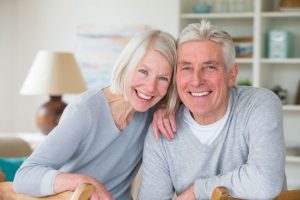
<point x="15" y="147"/>
<point x="11" y="146"/>
<point x="13" y="151"/>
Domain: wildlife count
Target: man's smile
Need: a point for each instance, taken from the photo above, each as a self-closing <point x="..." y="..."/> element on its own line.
<point x="200" y="94"/>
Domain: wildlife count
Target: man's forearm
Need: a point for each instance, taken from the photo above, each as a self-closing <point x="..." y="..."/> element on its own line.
<point x="244" y="183"/>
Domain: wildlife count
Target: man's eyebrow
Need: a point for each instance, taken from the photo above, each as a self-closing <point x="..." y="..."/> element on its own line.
<point x="210" y="62"/>
<point x="183" y="62"/>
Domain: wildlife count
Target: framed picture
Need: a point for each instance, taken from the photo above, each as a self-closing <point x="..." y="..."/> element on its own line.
<point x="98" y="48"/>
<point x="243" y="47"/>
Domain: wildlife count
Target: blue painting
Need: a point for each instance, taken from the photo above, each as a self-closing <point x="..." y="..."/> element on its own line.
<point x="96" y="50"/>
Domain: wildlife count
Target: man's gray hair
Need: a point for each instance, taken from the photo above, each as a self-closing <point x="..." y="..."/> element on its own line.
<point x="205" y="31"/>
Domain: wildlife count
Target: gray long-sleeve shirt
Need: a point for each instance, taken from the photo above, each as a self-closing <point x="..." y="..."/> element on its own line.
<point x="87" y="141"/>
<point x="248" y="156"/>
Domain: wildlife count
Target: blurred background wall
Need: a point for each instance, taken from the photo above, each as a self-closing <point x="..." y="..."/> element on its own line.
<point x="30" y="25"/>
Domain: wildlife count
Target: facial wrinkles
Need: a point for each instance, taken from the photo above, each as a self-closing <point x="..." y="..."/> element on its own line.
<point x="199" y="54"/>
<point x="219" y="101"/>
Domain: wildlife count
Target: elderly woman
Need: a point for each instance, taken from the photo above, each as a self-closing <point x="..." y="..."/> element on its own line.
<point x="100" y="137"/>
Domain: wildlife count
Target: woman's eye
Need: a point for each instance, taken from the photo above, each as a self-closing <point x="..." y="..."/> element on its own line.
<point x="142" y="71"/>
<point x="162" y="78"/>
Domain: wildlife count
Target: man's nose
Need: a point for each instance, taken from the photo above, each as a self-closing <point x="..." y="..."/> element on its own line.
<point x="197" y="78"/>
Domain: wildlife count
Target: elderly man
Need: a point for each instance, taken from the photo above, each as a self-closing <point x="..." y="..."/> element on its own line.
<point x="226" y="135"/>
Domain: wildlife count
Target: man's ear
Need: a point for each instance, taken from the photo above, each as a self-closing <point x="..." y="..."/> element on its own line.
<point x="233" y="73"/>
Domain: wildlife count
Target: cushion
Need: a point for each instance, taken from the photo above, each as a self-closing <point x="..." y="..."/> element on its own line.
<point x="9" y="166"/>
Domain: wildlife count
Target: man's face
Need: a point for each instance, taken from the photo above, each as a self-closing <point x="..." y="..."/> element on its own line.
<point x="203" y="81"/>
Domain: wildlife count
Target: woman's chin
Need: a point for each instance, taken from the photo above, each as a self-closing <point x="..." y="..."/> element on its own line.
<point x="142" y="108"/>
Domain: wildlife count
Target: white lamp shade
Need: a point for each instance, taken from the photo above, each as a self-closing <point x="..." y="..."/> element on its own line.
<point x="53" y="73"/>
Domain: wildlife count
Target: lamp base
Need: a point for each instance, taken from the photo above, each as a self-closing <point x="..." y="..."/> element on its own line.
<point x="48" y="115"/>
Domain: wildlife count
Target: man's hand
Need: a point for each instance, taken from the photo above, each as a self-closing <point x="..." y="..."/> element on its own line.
<point x="69" y="182"/>
<point x="166" y="126"/>
<point x="188" y="194"/>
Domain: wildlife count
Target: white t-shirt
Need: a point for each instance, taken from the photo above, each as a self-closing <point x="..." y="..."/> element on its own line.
<point x="206" y="134"/>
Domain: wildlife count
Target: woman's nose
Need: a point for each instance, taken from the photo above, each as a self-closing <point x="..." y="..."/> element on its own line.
<point x="151" y="84"/>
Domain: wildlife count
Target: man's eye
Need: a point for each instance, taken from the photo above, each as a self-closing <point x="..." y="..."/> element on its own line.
<point x="186" y="67"/>
<point x="209" y="68"/>
<point x="142" y="71"/>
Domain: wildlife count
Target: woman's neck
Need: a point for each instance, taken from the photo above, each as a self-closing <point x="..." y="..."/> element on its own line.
<point x="122" y="111"/>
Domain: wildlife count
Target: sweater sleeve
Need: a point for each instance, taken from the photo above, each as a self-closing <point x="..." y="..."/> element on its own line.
<point x="156" y="183"/>
<point x="37" y="175"/>
<point x="262" y="176"/>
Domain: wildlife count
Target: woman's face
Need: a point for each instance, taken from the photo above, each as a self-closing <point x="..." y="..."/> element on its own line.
<point x="150" y="81"/>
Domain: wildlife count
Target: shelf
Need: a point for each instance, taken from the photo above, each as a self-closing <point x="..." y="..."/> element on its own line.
<point x="244" y="60"/>
<point x="216" y="15"/>
<point x="291" y="107"/>
<point x="281" y="60"/>
<point x="260" y="70"/>
<point x="293" y="159"/>
<point x="280" y="14"/>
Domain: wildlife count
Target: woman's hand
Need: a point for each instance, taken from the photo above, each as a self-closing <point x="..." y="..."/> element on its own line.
<point x="163" y="125"/>
<point x="69" y="182"/>
<point x="101" y="193"/>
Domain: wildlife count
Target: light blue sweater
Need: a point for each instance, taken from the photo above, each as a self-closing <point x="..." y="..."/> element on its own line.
<point x="87" y="141"/>
<point x="248" y="156"/>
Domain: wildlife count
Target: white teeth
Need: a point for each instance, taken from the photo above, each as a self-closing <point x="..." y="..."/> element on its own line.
<point x="199" y="94"/>
<point x="143" y="96"/>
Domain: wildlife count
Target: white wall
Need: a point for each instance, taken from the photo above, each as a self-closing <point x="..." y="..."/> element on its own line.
<point x="7" y="46"/>
<point x="30" y="25"/>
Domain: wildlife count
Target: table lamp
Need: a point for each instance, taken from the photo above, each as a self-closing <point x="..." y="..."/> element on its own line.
<point x="53" y="74"/>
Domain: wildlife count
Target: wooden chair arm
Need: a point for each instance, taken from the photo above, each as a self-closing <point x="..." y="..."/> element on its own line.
<point x="82" y="192"/>
<point x="221" y="193"/>
<point x="289" y="195"/>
